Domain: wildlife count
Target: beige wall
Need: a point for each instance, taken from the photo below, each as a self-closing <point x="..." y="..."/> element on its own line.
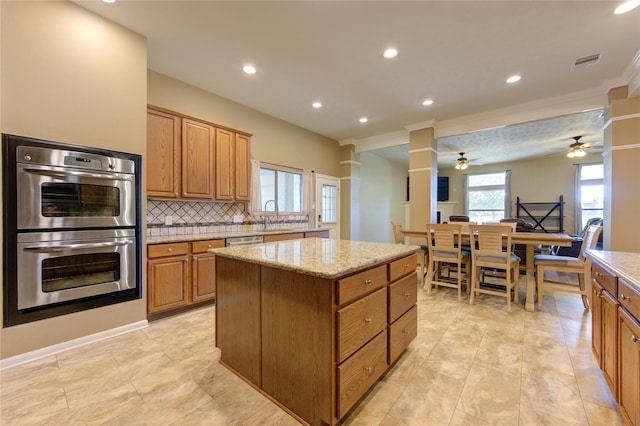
<point x="71" y="76"/>
<point x="537" y="180"/>
<point x="274" y="141"/>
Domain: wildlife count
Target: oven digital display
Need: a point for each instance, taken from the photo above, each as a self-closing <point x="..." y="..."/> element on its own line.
<point x="89" y="163"/>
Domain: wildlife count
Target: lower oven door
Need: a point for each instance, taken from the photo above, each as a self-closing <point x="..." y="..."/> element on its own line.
<point x="57" y="267"/>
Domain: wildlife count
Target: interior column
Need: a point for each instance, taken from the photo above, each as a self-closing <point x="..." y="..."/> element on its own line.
<point x="423" y="178"/>
<point x="621" y="159"/>
<point x="349" y="193"/>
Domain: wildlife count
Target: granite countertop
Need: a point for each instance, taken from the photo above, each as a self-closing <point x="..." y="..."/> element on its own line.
<point x="624" y="265"/>
<point x="321" y="257"/>
<point x="222" y="235"/>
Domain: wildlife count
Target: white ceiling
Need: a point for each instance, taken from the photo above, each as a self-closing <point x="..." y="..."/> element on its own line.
<point x="457" y="53"/>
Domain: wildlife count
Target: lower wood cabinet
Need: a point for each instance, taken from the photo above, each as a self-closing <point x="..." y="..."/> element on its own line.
<point x="629" y="378"/>
<point x="179" y="274"/>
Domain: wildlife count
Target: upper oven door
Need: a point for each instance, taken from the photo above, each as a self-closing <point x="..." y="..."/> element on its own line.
<point x="61" y="197"/>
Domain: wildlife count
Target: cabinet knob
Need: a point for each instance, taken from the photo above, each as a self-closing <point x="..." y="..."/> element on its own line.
<point x="634" y="339"/>
<point x="406" y="265"/>
<point x="598" y="274"/>
<point x="169" y="249"/>
<point x="367" y="320"/>
<point x="208" y="245"/>
<point x="368" y="370"/>
<point x="367" y="282"/>
<point x="405" y="332"/>
<point x="623" y="297"/>
<point x="407" y="295"/>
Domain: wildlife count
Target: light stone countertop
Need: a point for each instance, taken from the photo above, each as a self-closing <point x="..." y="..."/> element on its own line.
<point x="624" y="265"/>
<point x="223" y="235"/>
<point x="321" y="257"/>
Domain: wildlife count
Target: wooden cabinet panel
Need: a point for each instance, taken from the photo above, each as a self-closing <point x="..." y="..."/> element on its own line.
<point x="605" y="278"/>
<point x="168" y="283"/>
<point x="360" y="321"/>
<point x="361" y="283"/>
<point x="402" y="332"/>
<point x="203" y="277"/>
<point x="323" y="233"/>
<point x="629" y="298"/>
<point x="224" y="164"/>
<point x="205" y="245"/>
<point x="360" y="372"/>
<point x="242" y="157"/>
<point x="198" y="159"/>
<point x="403" y="294"/>
<point x="609" y="364"/>
<point x="163" y="154"/>
<point x="402" y="267"/>
<point x="272" y="238"/>
<point x="169" y="249"/>
<point x="596" y="321"/>
<point x="629" y="368"/>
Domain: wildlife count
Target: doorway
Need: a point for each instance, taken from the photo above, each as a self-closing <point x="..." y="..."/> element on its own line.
<point x="327" y="211"/>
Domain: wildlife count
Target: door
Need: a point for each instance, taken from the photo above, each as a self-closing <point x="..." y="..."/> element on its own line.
<point x="197" y="160"/>
<point x="327" y="205"/>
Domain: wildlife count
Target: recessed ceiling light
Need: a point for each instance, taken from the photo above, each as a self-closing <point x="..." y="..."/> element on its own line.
<point x="249" y="69"/>
<point x="363" y="119"/>
<point x="427" y="102"/>
<point x="627" y="6"/>
<point x="513" y="79"/>
<point x="316" y="105"/>
<point x="109" y="1"/>
<point x="390" y="53"/>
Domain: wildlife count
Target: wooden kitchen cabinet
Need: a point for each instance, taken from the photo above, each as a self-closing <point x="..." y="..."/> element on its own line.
<point x="163" y="154"/>
<point x="198" y="159"/>
<point x="167" y="276"/>
<point x="203" y="270"/>
<point x="629" y="368"/>
<point x="232" y="166"/>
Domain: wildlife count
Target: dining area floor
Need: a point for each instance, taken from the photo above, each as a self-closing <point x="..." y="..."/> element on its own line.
<point x="469" y="365"/>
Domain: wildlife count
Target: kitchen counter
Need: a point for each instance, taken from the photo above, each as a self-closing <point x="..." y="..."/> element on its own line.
<point x="222" y="235"/>
<point x="622" y="264"/>
<point x="320" y="257"/>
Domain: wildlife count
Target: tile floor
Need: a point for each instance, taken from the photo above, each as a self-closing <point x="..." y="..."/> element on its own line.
<point x="469" y="365"/>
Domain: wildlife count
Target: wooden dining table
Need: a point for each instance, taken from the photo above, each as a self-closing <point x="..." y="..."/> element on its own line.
<point x="530" y="240"/>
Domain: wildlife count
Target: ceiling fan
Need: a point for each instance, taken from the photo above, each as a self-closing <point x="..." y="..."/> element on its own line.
<point x="577" y="149"/>
<point x="462" y="163"/>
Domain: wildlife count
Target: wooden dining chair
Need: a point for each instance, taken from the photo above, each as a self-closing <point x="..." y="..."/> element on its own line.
<point x="491" y="248"/>
<point x="580" y="265"/>
<point x="399" y="238"/>
<point x="445" y="246"/>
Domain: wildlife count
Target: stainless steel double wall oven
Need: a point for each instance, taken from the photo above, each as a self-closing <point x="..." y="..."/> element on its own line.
<point x="71" y="228"/>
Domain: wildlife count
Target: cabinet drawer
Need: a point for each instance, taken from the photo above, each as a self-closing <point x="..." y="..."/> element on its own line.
<point x="203" y="246"/>
<point x="360" y="321"/>
<point x="271" y="238"/>
<point x="629" y="298"/>
<point x="401" y="267"/>
<point x="169" y="249"/>
<point x="605" y="278"/>
<point x="402" y="296"/>
<point x="357" y="374"/>
<point x="356" y="285"/>
<point x="402" y="332"/>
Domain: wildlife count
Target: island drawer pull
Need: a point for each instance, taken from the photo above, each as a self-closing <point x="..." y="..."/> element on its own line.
<point x="406" y="265"/>
<point x="368" y="370"/>
<point x="367" y="282"/>
<point x="634" y="338"/>
<point x="405" y="332"/>
<point x="169" y="249"/>
<point x="367" y="320"/>
<point x="407" y="294"/>
<point x="623" y="297"/>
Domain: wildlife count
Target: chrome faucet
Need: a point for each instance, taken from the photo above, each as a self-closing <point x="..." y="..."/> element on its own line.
<point x="266" y="214"/>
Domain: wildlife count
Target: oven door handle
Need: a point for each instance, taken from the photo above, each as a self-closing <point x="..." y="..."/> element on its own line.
<point x="79" y="246"/>
<point x="64" y="173"/>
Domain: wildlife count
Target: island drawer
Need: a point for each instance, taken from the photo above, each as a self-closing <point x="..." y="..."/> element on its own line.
<point x="402" y="332"/>
<point x="168" y="249"/>
<point x="402" y="267"/>
<point x="360" y="321"/>
<point x="356" y="285"/>
<point x="203" y="246"/>
<point x="629" y="298"/>
<point x="605" y="278"/>
<point x="357" y="374"/>
<point x="403" y="295"/>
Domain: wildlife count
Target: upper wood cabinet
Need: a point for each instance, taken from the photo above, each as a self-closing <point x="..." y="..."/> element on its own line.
<point x="232" y="166"/>
<point x="191" y="158"/>
<point x="198" y="159"/>
<point x="163" y="154"/>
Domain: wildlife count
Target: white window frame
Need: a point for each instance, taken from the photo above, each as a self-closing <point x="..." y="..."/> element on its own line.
<point x="586" y="182"/>
<point x="276" y="206"/>
<point x="505" y="187"/>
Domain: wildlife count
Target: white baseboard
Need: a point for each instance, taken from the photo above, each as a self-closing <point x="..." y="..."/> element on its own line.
<point x="71" y="344"/>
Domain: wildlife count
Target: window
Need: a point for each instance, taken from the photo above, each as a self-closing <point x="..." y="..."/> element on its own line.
<point x="590" y="193"/>
<point x="283" y="187"/>
<point x="487" y="197"/>
<point x="329" y="203"/>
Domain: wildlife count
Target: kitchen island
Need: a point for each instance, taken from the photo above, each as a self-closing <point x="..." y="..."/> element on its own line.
<point x="314" y="323"/>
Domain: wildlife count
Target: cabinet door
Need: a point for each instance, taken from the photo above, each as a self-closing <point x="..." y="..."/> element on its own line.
<point x="629" y="397"/>
<point x="242" y="168"/>
<point x="596" y="322"/>
<point x="203" y="277"/>
<point x="167" y="283"/>
<point x="197" y="159"/>
<point x="224" y="163"/>
<point x="163" y="154"/>
<point x="610" y="341"/>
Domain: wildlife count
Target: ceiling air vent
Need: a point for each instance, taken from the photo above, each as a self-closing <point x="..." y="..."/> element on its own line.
<point x="586" y="61"/>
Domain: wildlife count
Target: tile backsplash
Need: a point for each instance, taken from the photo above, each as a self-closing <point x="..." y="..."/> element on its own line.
<point x="202" y="217"/>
